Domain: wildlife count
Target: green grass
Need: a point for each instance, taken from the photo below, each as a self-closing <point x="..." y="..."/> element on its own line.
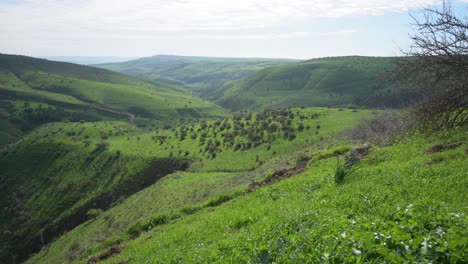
<point x="398" y="207"/>
<point x="335" y="81"/>
<point x="48" y="185"/>
<point x="400" y="201"/>
<point x="174" y="195"/>
<point x="200" y="74"/>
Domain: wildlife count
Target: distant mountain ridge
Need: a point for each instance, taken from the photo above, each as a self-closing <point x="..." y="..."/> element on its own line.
<point x="203" y="75"/>
<point x="88" y="60"/>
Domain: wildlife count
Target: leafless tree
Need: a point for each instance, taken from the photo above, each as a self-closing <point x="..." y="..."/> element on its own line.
<point x="436" y="64"/>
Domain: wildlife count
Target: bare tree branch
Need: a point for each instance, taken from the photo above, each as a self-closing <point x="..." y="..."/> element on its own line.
<point x="436" y="64"/>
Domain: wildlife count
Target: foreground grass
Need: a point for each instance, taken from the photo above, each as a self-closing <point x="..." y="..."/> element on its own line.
<point x="402" y="205"/>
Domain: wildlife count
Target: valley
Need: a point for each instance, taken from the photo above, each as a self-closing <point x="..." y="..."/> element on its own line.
<point x="270" y="161"/>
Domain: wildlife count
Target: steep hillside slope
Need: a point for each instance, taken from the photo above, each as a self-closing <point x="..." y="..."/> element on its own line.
<point x="201" y="74"/>
<point x="53" y="176"/>
<point x="35" y="91"/>
<point x="334" y="81"/>
<point x="401" y="205"/>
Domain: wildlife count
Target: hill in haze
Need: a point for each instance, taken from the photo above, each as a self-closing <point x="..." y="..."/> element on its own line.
<point x="87" y="60"/>
<point x="37" y="91"/>
<point x="200" y="74"/>
<point x="335" y="81"/>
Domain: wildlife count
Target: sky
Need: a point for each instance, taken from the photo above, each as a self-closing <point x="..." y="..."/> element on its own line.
<point x="301" y="29"/>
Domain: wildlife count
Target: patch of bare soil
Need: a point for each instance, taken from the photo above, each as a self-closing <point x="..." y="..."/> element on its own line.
<point x="280" y="175"/>
<point x="112" y="251"/>
<point x="442" y="147"/>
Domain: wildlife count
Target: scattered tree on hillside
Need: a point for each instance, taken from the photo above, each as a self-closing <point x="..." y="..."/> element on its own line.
<point x="437" y="66"/>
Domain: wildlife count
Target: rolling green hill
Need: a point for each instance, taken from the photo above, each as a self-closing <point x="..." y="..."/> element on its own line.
<point x="36" y="91"/>
<point x="336" y="81"/>
<point x="203" y="75"/>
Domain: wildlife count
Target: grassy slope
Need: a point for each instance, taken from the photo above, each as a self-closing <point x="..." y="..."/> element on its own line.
<point x="403" y="204"/>
<point x="201" y="74"/>
<point x="206" y="177"/>
<point x="50" y="180"/>
<point x="75" y="87"/>
<point x="320" y="82"/>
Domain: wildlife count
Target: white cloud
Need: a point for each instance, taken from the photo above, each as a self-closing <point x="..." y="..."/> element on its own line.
<point x="290" y="35"/>
<point x="339" y="32"/>
<point x="203" y="27"/>
<point x="146" y="16"/>
<point x="264" y="36"/>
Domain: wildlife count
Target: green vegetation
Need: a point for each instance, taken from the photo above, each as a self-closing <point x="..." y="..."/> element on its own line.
<point x="100" y="167"/>
<point x="401" y="205"/>
<point x="200" y="74"/>
<point x="49" y="185"/>
<point x="257" y="84"/>
<point x="339" y="81"/>
<point x="65" y="169"/>
<point x="35" y="91"/>
<point x="9" y="133"/>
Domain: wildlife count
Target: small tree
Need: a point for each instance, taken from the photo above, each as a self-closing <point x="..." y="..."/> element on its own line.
<point x="102" y="145"/>
<point x="437" y="66"/>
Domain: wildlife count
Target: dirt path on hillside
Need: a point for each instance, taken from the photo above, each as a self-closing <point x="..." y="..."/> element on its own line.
<point x="131" y="117"/>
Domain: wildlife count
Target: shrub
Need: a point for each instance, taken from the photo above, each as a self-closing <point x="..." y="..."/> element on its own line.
<point x="102" y="145"/>
<point x="291" y="135"/>
<point x="219" y="200"/>
<point x="342" y="171"/>
<point x="190" y="209"/>
<point x="380" y="129"/>
<point x="300" y="127"/>
<point x="74" y="250"/>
